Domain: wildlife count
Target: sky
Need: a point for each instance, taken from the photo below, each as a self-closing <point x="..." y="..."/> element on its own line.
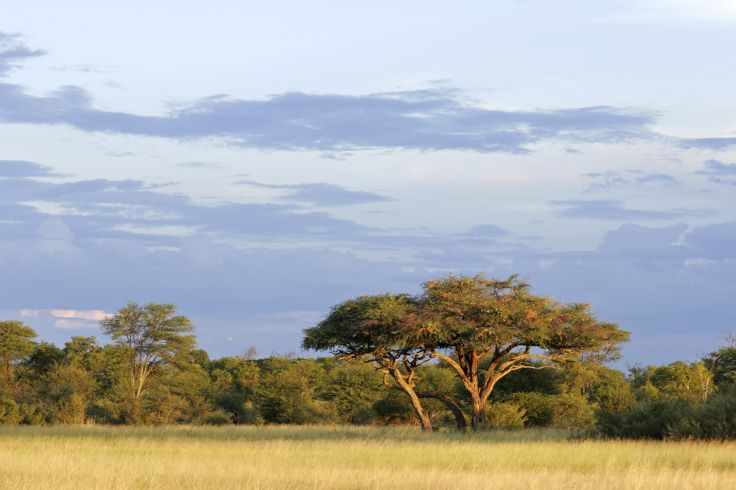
<point x="257" y="163"/>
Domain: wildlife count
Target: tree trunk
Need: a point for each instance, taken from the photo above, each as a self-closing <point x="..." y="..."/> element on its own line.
<point x="422" y="415"/>
<point x="424" y="420"/>
<point x="478" y="417"/>
<point x="460" y="422"/>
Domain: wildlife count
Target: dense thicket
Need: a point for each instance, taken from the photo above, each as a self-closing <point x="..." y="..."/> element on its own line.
<point x="86" y="382"/>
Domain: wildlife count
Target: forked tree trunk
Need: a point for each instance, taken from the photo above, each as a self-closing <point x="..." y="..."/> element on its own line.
<point x="421" y="413"/>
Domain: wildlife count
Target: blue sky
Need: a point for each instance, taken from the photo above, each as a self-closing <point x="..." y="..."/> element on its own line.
<point x="257" y="164"/>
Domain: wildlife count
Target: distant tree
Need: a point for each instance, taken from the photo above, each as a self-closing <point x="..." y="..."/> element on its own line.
<point x="351" y="389"/>
<point x="676" y="381"/>
<point x="65" y="392"/>
<point x="466" y="320"/>
<point x="44" y="357"/>
<point x="232" y="387"/>
<point x="286" y="392"/>
<point x="251" y="353"/>
<point x="16" y="343"/>
<point x="153" y="335"/>
<point x="81" y="351"/>
<point x="722" y="364"/>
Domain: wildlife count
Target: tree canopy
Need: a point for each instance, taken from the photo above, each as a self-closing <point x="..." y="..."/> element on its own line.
<point x="382" y="329"/>
<point x="16" y="343"/>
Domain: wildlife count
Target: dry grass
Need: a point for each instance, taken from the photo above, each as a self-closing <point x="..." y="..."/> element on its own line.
<point x="347" y="458"/>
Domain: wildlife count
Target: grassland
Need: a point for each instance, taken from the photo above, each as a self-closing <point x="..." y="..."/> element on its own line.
<point x="348" y="458"/>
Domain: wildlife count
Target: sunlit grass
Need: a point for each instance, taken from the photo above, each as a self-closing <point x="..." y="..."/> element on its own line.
<point x="346" y="458"/>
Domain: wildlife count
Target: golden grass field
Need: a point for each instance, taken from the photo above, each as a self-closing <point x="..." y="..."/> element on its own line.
<point x="348" y="458"/>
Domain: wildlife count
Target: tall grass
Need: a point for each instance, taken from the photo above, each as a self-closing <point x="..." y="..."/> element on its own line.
<point x="348" y="458"/>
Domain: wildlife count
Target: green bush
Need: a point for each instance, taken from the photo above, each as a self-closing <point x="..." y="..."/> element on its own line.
<point x="658" y="419"/>
<point x="717" y="418"/>
<point x="505" y="415"/>
<point x="9" y="410"/>
<point x="566" y="411"/>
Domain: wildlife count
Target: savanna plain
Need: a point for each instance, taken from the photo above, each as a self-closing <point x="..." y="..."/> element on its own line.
<point x="348" y="458"/>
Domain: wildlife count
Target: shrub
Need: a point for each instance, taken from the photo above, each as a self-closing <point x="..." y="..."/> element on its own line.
<point x="9" y="410"/>
<point x="659" y="419"/>
<point x="505" y="415"/>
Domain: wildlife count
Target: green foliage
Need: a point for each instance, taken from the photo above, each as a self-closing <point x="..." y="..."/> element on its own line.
<point x="714" y="418"/>
<point x="368" y="325"/>
<point x="352" y="389"/>
<point x="717" y="418"/>
<point x="722" y="365"/>
<point x="152" y="331"/>
<point x="676" y="381"/>
<point x="9" y="410"/>
<point x="505" y="415"/>
<point x="16" y="343"/>
<point x="286" y="392"/>
<point x="393" y="409"/>
<point x="482" y="314"/>
<point x="658" y="419"/>
<point x="153" y="336"/>
<point x="547" y="381"/>
<point x="564" y="411"/>
<point x="64" y="393"/>
<point x="483" y="329"/>
<point x="88" y="383"/>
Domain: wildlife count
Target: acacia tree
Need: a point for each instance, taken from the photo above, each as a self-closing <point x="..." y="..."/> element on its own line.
<point x="485" y="329"/>
<point x="16" y="343"/>
<point x="153" y="335"/>
<point x="380" y="329"/>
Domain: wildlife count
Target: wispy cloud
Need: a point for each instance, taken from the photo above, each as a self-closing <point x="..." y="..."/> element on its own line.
<point x="320" y="193"/>
<point x="718" y="143"/>
<point x="610" y="179"/>
<point x="107" y="209"/>
<point x="615" y="210"/>
<point x="12" y="51"/>
<point x="422" y="120"/>
<point x="21" y="168"/>
<point x="719" y="172"/>
<point x="198" y="164"/>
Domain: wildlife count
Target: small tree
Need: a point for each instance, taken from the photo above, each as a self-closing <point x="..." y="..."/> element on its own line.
<point x="16" y="343"/>
<point x="153" y="336"/>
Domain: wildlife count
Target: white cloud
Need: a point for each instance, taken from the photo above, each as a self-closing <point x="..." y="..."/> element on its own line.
<point x="30" y="313"/>
<point x="95" y="315"/>
<point x="74" y="324"/>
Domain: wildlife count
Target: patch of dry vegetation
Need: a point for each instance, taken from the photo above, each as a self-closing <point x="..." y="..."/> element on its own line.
<point x="348" y="458"/>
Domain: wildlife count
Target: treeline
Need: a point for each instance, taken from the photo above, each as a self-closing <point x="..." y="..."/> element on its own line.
<point x="468" y="353"/>
<point x="84" y="382"/>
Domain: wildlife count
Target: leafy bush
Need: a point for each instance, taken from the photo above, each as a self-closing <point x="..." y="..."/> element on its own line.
<point x="505" y="415"/>
<point x="659" y="419"/>
<point x="9" y="410"/>
<point x="566" y="411"/>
